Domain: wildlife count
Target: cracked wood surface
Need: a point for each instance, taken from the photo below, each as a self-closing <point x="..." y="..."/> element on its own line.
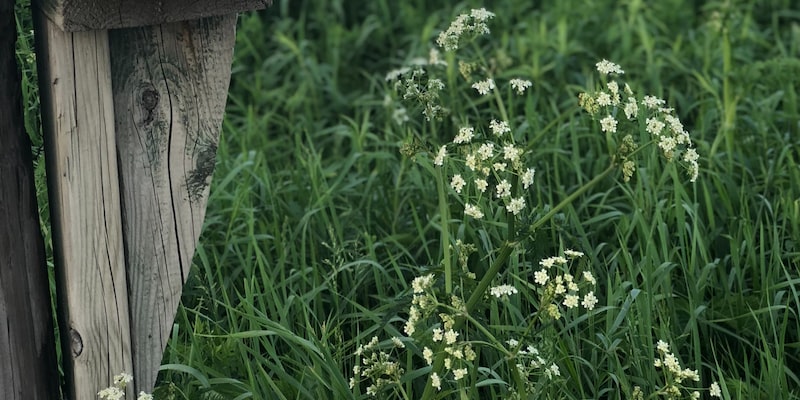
<point x="78" y="121"/>
<point x="170" y="88"/>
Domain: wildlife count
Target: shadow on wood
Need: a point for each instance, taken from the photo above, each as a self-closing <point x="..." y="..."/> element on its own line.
<point x="28" y="367"/>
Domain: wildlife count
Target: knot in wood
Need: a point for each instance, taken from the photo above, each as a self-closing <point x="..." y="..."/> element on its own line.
<point x="149" y="99"/>
<point x="76" y="342"/>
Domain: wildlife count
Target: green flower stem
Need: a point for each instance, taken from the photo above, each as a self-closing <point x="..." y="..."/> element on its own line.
<point x="487" y="279"/>
<point x="444" y="213"/>
<point x="499" y="262"/>
<point x="574" y="195"/>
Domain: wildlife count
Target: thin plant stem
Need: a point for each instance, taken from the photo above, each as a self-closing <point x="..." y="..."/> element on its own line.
<point x="503" y="255"/>
<point x="444" y="212"/>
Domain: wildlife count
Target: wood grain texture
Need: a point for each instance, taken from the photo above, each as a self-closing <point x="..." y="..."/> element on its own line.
<point x="79" y="15"/>
<point x="27" y="342"/>
<point x="170" y="88"/>
<point x="78" y="120"/>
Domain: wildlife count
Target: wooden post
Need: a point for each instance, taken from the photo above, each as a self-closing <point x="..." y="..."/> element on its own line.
<point x="78" y="121"/>
<point x="129" y="168"/>
<point x="170" y="87"/>
<point x="81" y="15"/>
<point x="27" y="342"/>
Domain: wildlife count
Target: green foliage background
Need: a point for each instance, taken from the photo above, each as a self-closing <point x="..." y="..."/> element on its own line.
<point x="317" y="224"/>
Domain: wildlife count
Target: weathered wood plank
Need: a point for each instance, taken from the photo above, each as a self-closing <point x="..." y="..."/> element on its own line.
<point x="79" y="15"/>
<point x="27" y="342"/>
<point x="170" y="88"/>
<point x="78" y="120"/>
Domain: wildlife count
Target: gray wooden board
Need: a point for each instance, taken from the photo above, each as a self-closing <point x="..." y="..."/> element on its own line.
<point x="170" y="87"/>
<point x="27" y="342"/>
<point x="78" y="120"/>
<point x="78" y="15"/>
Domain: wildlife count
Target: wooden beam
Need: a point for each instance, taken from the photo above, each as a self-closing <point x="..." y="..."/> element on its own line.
<point x="78" y="120"/>
<point x="80" y="15"/>
<point x="170" y="88"/>
<point x="27" y="341"/>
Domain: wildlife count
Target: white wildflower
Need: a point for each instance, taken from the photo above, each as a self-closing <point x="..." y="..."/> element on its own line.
<point x="606" y="67"/>
<point x="459" y="373"/>
<point x="520" y="85"/>
<point x="541" y="277"/>
<point x="588" y="277"/>
<point x="111" y="393"/>
<point x="450" y="336"/>
<point x="484" y="87"/>
<point x="457" y="183"/>
<point x="571" y="301"/>
<point x="589" y="301"/>
<point x="511" y="153"/>
<point x="652" y="102"/>
<point x="527" y="178"/>
<point x="662" y="346"/>
<point x="516" y="205"/>
<point x="465" y="135"/>
<point x="503" y="189"/>
<point x="435" y="381"/>
<point x="608" y="124"/>
<point x="440" y="155"/>
<point x="502" y="290"/>
<point x="481" y="14"/>
<point x="631" y="108"/>
<point x="654" y="126"/>
<point x="603" y="99"/>
<point x="573" y="254"/>
<point x="499" y="127"/>
<point x="481" y="185"/>
<point x="715" y="390"/>
<point x="486" y="151"/>
<point x="473" y="211"/>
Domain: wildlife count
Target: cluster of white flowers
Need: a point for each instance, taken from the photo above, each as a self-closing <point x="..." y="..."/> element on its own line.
<point x="676" y="376"/>
<point x="606" y="67"/>
<point x="488" y="158"/>
<point x="520" y="85"/>
<point x="562" y="287"/>
<point x="484" y="87"/>
<point x="457" y="354"/>
<point x="472" y="24"/>
<point x="531" y="364"/>
<point x="664" y="127"/>
<point x="117" y="389"/>
<point x="376" y="366"/>
<point x="501" y="291"/>
<point x="413" y="83"/>
<point x="422" y="303"/>
<point x="669" y="361"/>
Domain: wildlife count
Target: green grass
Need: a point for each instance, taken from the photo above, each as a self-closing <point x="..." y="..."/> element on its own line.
<point x="317" y="223"/>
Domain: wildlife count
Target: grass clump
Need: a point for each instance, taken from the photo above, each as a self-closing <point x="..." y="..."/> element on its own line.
<point x="357" y="240"/>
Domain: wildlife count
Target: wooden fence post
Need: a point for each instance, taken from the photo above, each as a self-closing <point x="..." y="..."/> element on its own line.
<point x="131" y="134"/>
<point x="78" y="122"/>
<point x="27" y="342"/>
<point x="170" y="87"/>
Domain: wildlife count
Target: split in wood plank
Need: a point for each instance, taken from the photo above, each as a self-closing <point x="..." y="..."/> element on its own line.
<point x="170" y="88"/>
<point x="78" y="121"/>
